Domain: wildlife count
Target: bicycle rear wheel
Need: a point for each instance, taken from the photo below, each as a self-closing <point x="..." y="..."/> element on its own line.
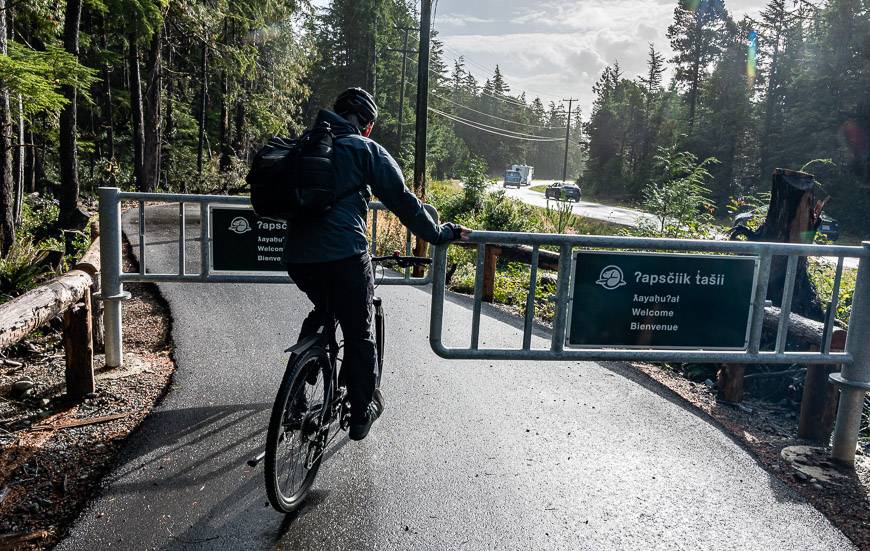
<point x="298" y="429"/>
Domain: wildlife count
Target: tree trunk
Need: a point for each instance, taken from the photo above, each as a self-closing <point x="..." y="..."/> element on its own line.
<point x="770" y="103"/>
<point x="7" y="187"/>
<point x="39" y="180"/>
<point x="170" y="117"/>
<point x="202" y="106"/>
<point x="239" y="140"/>
<point x="153" y="116"/>
<point x="69" y="177"/>
<point x="108" y="115"/>
<point x="225" y="124"/>
<point x="136" y="109"/>
<point x="18" y="156"/>
<point x="30" y="161"/>
<point x="22" y="153"/>
<point x="792" y="217"/>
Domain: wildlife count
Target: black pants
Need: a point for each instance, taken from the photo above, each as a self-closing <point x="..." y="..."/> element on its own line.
<point x="347" y="287"/>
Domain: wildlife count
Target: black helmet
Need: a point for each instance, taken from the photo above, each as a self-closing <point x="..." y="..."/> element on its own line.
<point x="357" y="101"/>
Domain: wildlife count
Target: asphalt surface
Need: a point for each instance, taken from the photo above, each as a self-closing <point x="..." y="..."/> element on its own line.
<point x="607" y="213"/>
<point x="468" y="455"/>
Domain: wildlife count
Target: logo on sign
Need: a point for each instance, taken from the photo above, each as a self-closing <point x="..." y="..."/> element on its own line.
<point x="240" y="225"/>
<point x="611" y="278"/>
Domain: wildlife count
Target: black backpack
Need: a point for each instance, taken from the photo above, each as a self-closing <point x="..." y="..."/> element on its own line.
<point x="295" y="179"/>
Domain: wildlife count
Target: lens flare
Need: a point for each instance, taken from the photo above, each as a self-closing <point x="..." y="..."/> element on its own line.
<point x="751" y="61"/>
<point x="692" y="5"/>
<point x="856" y="137"/>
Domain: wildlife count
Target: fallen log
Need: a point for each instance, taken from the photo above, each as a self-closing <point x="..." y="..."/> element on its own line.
<point x="803" y="333"/>
<point x="26" y="313"/>
<point x="90" y="261"/>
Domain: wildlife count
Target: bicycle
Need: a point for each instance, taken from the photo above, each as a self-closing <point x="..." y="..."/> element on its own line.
<point x="299" y="419"/>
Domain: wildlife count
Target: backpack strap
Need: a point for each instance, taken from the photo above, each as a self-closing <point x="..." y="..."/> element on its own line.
<point x="352" y="190"/>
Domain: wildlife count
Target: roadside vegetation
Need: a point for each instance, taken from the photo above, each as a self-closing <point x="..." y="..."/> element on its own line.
<point x="41" y="248"/>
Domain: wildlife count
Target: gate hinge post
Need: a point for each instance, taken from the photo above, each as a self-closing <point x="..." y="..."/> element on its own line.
<point x="854" y="379"/>
<point x="112" y="290"/>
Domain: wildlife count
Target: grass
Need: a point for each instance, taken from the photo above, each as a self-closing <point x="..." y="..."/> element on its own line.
<point x="540" y="188"/>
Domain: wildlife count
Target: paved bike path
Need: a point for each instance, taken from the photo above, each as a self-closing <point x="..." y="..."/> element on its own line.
<point x="468" y="455"/>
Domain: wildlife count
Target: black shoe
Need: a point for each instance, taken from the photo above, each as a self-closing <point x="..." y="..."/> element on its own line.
<point x="375" y="409"/>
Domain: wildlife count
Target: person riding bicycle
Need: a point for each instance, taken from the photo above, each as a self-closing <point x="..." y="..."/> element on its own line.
<point x="328" y="258"/>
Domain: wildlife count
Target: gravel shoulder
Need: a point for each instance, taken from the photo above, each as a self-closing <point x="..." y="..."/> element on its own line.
<point x="48" y="471"/>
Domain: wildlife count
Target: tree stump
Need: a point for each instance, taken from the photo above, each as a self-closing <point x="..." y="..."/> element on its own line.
<point x="490" y="264"/>
<point x="78" y="348"/>
<point x="792" y="217"/>
<point x="729" y="381"/>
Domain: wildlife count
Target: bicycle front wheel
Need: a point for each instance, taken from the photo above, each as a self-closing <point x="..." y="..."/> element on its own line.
<point x="298" y="430"/>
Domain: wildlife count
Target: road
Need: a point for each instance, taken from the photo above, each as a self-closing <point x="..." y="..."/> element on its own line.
<point x="468" y="455"/>
<point x="615" y="215"/>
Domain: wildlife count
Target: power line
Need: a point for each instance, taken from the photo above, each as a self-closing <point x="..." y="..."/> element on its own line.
<point x="483" y="124"/>
<point x="500" y="118"/>
<point x="473" y="125"/>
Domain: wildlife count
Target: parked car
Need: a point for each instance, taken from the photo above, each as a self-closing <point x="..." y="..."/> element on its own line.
<point x="829" y="227"/>
<point x="563" y="191"/>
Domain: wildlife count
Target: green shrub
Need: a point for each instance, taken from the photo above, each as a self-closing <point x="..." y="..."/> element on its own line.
<point x="23" y="268"/>
<point x="559" y="217"/>
<point x="39" y="217"/>
<point x="679" y="198"/>
<point x="822" y="276"/>
<point x="503" y="213"/>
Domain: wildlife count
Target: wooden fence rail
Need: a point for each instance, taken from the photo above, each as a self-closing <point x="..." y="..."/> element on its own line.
<point x="819" y="402"/>
<point x="71" y="295"/>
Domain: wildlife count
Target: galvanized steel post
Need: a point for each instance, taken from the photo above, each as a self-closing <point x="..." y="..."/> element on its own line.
<point x="112" y="291"/>
<point x="854" y="379"/>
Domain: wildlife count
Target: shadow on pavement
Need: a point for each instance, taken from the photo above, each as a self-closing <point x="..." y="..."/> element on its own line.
<point x="171" y="437"/>
<point x="782" y="492"/>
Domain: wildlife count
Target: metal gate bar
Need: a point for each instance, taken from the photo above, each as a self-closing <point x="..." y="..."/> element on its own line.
<point x="113" y="277"/>
<point x="567" y="244"/>
<point x="854" y="380"/>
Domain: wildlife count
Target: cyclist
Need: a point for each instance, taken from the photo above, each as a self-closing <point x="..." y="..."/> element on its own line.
<point x="328" y="258"/>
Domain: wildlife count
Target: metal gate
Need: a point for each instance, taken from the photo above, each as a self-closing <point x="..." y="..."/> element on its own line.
<point x="112" y="277"/>
<point x="854" y="379"/>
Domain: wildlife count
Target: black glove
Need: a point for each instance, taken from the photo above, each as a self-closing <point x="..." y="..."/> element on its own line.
<point x="455" y="230"/>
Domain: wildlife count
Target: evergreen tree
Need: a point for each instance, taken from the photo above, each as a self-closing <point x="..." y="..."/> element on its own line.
<point x="696" y="36"/>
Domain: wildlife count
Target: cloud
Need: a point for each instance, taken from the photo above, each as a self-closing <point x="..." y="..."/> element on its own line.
<point x="556" y="48"/>
<point x="461" y="20"/>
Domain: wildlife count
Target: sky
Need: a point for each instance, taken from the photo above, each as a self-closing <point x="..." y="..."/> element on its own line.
<point x="557" y="48"/>
<point x="554" y="49"/>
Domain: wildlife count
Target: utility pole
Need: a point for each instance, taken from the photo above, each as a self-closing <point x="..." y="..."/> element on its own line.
<point x="422" y="115"/>
<point x="405" y="52"/>
<point x="422" y="99"/>
<point x="567" y="138"/>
